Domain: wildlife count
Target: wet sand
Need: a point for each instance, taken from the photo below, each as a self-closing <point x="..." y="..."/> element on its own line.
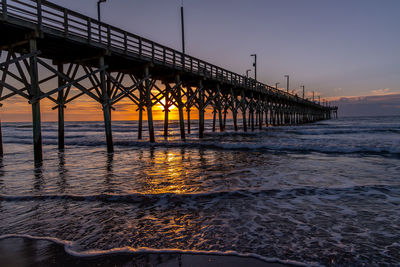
<point x="26" y="252"/>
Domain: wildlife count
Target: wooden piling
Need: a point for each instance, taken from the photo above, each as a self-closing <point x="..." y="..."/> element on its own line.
<point x="252" y="119"/>
<point x="180" y="109"/>
<point x="188" y="96"/>
<point x="244" y="112"/>
<point x="234" y="117"/>
<point x="277" y="114"/>
<point x="256" y="119"/>
<point x="224" y="124"/>
<point x="214" y="119"/>
<point x="166" y="108"/>
<point x="140" y="122"/>
<point x="35" y="102"/>
<point x="188" y="119"/>
<point x="287" y="117"/>
<point x="234" y="110"/>
<point x="251" y="113"/>
<point x="108" y="83"/>
<point x="201" y="110"/>
<point x="221" y="123"/>
<point x="106" y="107"/>
<point x="149" y="105"/>
<point x="271" y="117"/>
<point x="1" y="142"/>
<point x="61" y="82"/>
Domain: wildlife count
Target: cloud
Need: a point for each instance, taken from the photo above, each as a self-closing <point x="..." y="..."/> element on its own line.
<point x="378" y="105"/>
<point x="386" y="91"/>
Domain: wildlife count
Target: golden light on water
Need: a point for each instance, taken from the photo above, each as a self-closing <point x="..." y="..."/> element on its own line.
<point x="166" y="172"/>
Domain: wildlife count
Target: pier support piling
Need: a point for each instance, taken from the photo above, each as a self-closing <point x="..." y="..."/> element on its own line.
<point x="225" y="112"/>
<point x="256" y="120"/>
<point x="221" y="123"/>
<point x="106" y="107"/>
<point x="166" y="109"/>
<point x="188" y="106"/>
<point x="201" y="110"/>
<point x="35" y="102"/>
<point x="243" y="100"/>
<point x="252" y="120"/>
<point x="149" y="105"/>
<point x="188" y="119"/>
<point x="214" y="120"/>
<point x="140" y="108"/>
<point x="234" y="110"/>
<point x="180" y="108"/>
<point x="1" y="142"/>
<point x="60" y="100"/>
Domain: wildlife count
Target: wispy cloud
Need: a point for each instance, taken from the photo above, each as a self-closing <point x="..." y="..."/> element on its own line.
<point x="386" y="91"/>
<point x="373" y="105"/>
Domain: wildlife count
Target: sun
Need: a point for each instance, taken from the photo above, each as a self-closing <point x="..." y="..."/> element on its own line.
<point x="161" y="107"/>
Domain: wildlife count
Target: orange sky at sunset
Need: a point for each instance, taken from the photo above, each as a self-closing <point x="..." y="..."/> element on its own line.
<point x="83" y="109"/>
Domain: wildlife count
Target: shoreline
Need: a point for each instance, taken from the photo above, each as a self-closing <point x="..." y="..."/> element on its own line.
<point x="23" y="251"/>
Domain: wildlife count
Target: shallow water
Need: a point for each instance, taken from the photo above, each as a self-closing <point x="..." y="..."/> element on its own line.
<point x="326" y="193"/>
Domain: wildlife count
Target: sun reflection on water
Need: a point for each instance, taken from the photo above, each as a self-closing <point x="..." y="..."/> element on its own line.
<point x="166" y="173"/>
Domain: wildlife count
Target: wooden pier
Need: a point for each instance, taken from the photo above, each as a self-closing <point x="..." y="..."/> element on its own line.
<point x="90" y="58"/>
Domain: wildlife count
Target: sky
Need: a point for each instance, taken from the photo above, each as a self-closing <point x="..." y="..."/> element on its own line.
<point x="343" y="50"/>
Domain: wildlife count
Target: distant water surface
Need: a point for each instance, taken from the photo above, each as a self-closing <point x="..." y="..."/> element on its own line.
<point x="326" y="193"/>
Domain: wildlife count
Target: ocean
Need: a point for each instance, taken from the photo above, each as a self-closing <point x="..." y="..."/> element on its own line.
<point x="326" y="193"/>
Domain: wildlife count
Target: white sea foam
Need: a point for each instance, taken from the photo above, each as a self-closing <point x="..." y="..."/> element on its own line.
<point x="69" y="248"/>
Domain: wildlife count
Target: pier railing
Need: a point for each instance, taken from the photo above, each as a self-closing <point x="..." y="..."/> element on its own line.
<point x="48" y="16"/>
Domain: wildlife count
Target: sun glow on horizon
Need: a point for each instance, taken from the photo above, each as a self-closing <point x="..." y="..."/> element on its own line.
<point x="158" y="106"/>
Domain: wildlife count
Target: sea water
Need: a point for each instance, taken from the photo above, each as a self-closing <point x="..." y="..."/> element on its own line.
<point x="322" y="193"/>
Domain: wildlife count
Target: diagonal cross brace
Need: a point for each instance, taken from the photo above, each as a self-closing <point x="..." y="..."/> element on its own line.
<point x="19" y="59"/>
<point x="77" y="85"/>
<point x="125" y="90"/>
<point x="66" y="85"/>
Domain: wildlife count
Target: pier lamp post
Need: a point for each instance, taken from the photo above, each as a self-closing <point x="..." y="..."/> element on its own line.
<point x="183" y="29"/>
<point x="255" y="65"/>
<point x="313" y="96"/>
<point x="99" y="16"/>
<point x="287" y="83"/>
<point x="98" y="9"/>
<point x="247" y="73"/>
<point x="276" y="85"/>
<point x="303" y="90"/>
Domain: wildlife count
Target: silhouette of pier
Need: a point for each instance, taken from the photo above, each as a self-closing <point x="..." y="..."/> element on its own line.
<point x="43" y="42"/>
